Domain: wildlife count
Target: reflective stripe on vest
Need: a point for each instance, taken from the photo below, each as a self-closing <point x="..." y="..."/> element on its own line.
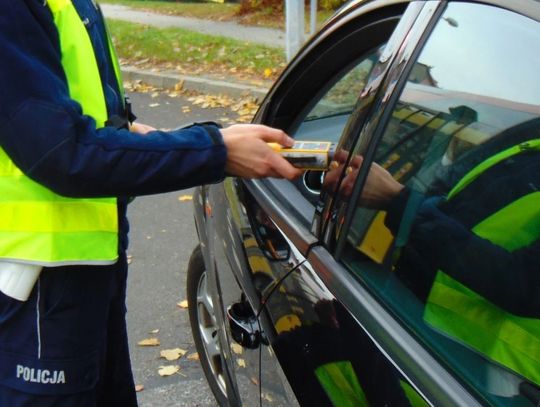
<point x="456" y="310"/>
<point x="38" y="226"/>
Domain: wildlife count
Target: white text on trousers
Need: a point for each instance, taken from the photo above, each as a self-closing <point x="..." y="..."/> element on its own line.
<point x="40" y="376"/>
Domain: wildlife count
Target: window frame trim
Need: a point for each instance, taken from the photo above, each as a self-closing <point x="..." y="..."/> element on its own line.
<point x="376" y="123"/>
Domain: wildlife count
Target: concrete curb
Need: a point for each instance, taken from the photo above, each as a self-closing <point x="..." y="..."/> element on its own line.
<point x="197" y="83"/>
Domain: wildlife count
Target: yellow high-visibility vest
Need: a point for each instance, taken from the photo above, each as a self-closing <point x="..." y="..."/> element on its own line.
<point x="462" y="314"/>
<point x="38" y="226"/>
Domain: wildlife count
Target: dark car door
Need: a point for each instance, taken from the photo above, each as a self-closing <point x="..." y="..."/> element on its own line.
<point x="315" y="346"/>
<point x="261" y="230"/>
<point x="439" y="276"/>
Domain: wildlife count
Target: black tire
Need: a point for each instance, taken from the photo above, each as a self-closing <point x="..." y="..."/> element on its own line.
<point x="204" y="327"/>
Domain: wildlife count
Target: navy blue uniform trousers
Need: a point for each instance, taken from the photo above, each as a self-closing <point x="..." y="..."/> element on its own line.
<point x="67" y="344"/>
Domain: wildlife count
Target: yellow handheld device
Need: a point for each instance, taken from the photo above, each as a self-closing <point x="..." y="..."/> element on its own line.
<point x="307" y="155"/>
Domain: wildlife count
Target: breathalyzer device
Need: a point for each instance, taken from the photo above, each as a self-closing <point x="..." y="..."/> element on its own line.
<point x="307" y="155"/>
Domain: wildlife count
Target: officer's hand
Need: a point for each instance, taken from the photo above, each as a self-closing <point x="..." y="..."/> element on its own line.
<point x="141" y="128"/>
<point x="249" y="156"/>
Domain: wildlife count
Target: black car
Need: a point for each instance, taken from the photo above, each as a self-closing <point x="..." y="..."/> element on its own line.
<point x="408" y="273"/>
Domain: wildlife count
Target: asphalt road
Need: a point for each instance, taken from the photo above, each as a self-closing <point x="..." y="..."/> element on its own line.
<point x="162" y="237"/>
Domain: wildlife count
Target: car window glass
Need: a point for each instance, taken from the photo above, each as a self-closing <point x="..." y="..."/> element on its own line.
<point x="447" y="230"/>
<point x="326" y="120"/>
<point x="342" y="97"/>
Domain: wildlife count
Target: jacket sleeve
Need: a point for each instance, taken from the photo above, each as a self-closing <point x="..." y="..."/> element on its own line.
<point x="508" y="279"/>
<point x="46" y="135"/>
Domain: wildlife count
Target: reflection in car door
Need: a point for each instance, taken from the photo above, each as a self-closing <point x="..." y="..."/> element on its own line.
<point x="326" y="355"/>
<point x="251" y="258"/>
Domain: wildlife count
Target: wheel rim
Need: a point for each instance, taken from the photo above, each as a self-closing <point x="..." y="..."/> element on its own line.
<point x="208" y="328"/>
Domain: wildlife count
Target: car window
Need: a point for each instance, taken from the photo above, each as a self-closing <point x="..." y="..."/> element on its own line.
<point x="447" y="231"/>
<point x="326" y="120"/>
<point x="326" y="116"/>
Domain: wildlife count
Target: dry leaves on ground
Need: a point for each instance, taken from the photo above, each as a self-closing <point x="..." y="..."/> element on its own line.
<point x="168" y="370"/>
<point x="211" y="101"/>
<point x="193" y="356"/>
<point x="149" y="342"/>
<point x="236" y="348"/>
<point x="172" y="354"/>
<point x="140" y="86"/>
<point x="182" y="304"/>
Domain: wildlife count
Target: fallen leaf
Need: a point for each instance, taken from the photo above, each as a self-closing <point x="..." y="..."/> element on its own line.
<point x="185" y="198"/>
<point x="172" y="354"/>
<point x="241" y="362"/>
<point x="236" y="348"/>
<point x="154" y="95"/>
<point x="168" y="370"/>
<point x="267" y="73"/>
<point x="267" y="397"/>
<point x="254" y="380"/>
<point x="139" y="387"/>
<point x="211" y="101"/>
<point x="153" y="104"/>
<point x="154" y="331"/>
<point x="149" y="342"/>
<point x="179" y="86"/>
<point x="182" y="304"/>
<point x="193" y="356"/>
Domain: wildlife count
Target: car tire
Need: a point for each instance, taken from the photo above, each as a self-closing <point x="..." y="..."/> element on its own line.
<point x="204" y="327"/>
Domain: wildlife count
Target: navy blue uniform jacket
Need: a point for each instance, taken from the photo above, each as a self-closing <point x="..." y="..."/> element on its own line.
<point x="47" y="136"/>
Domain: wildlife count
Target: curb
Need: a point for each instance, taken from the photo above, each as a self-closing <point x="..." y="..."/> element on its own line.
<point x="197" y="83"/>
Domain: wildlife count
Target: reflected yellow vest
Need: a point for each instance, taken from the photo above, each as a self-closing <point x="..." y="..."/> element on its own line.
<point x="38" y="226"/>
<point x="509" y="340"/>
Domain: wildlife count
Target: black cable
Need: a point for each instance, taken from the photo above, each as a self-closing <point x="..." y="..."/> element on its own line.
<point x="276" y="285"/>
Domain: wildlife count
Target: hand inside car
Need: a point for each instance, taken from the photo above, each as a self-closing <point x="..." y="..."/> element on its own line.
<point x="380" y="186"/>
<point x="249" y="156"/>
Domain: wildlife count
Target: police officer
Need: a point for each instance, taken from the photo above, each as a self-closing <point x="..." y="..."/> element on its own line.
<point x="70" y="156"/>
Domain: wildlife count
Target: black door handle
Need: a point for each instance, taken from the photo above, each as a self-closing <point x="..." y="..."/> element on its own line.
<point x="243" y="325"/>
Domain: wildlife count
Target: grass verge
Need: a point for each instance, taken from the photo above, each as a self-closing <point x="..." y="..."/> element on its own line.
<point x="216" y="11"/>
<point x="193" y="53"/>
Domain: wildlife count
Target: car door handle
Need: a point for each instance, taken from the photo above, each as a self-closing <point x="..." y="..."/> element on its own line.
<point x="244" y="326"/>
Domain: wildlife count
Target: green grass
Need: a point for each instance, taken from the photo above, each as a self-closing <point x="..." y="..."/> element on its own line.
<point x="213" y="11"/>
<point x="193" y="52"/>
<point x="216" y="11"/>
